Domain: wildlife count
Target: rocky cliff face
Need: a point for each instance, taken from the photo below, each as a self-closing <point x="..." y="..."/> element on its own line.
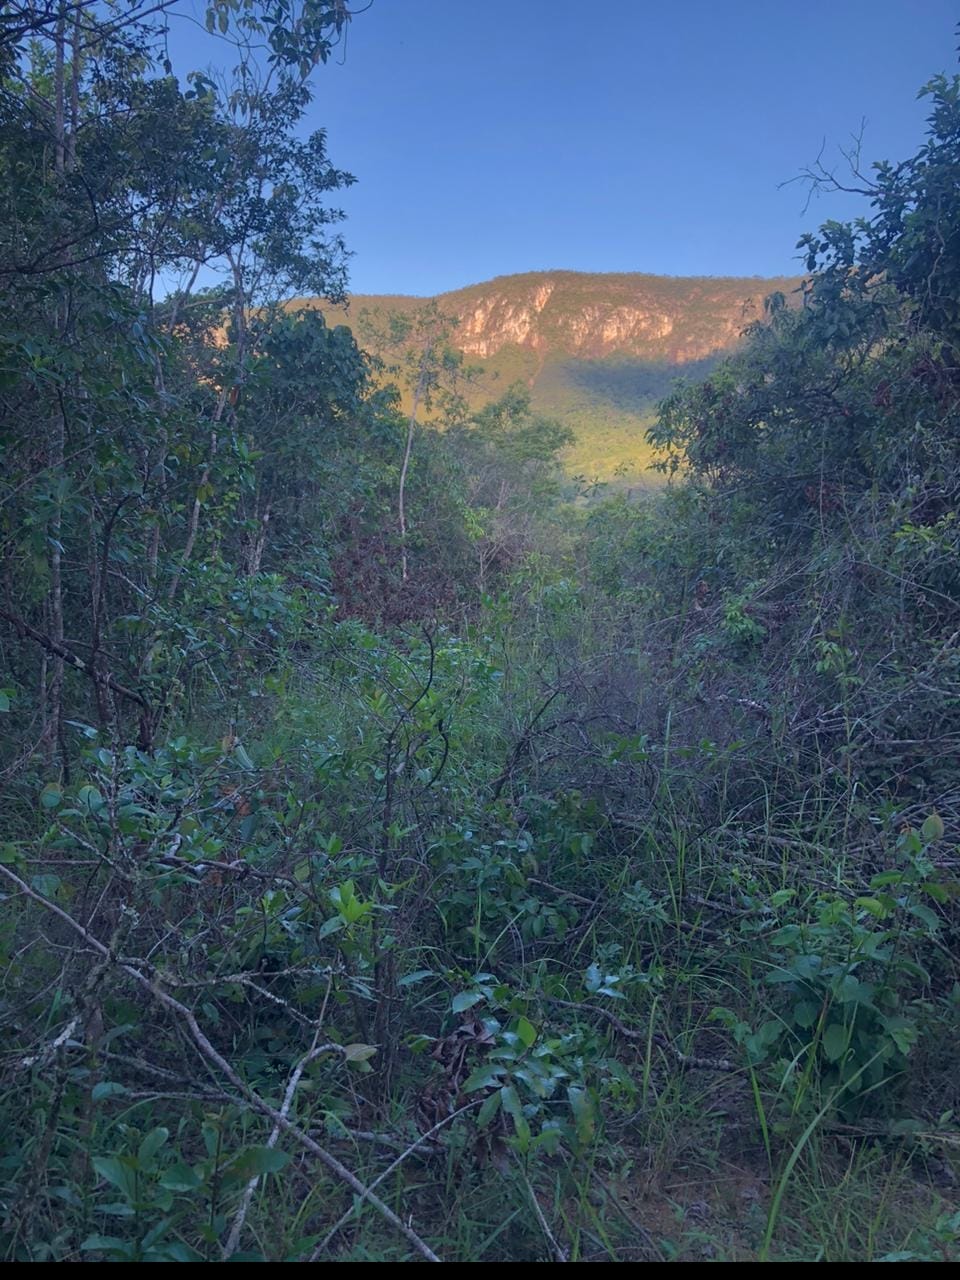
<point x="584" y="316"/>
<point x="498" y="318"/>
<point x="596" y="316"/>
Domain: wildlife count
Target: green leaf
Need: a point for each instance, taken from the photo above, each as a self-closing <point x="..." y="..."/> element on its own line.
<point x="884" y="878"/>
<point x="51" y="795"/>
<point x="90" y="798"/>
<point x="409" y="979"/>
<point x="107" y="1244"/>
<point x="873" y="906"/>
<point x="257" y="1160"/>
<point x="180" y="1177"/>
<point x="932" y="828"/>
<point x="465" y="1000"/>
<point x="359" y="1052"/>
<point x="117" y="1209"/>
<point x="150" y="1145"/>
<point x="851" y="990"/>
<point x="584" y="1115"/>
<point x="924" y="914"/>
<point x="107" y="1089"/>
<point x="933" y="890"/>
<point x="489" y="1109"/>
<point x="805" y="1013"/>
<point x="510" y="1100"/>
<point x="10" y="855"/>
<point x="87" y="730"/>
<point x="835" y="1041"/>
<point x="118" y="1171"/>
<point x="527" y="1032"/>
<point x="486" y="1076"/>
<point x="903" y="1033"/>
<point x="178" y="1251"/>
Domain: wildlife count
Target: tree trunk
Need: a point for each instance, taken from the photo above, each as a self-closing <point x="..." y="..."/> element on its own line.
<point x="401" y="497"/>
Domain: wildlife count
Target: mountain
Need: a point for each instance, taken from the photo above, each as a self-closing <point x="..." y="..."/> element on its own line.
<point x="597" y="350"/>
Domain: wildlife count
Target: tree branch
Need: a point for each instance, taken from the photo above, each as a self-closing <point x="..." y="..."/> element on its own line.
<point x="215" y="1059"/>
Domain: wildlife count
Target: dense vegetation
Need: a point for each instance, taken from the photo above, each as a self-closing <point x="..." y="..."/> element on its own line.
<point x="401" y="860"/>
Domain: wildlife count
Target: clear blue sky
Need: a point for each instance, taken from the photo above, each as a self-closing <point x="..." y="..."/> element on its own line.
<point x="630" y="135"/>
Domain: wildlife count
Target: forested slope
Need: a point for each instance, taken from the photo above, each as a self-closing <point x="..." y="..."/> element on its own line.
<point x="596" y="350"/>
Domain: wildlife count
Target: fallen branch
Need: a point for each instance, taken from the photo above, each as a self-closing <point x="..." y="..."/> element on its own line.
<point x="233" y="1240"/>
<point x="413" y="1147"/>
<point x="216" y="1059"/>
<point x="72" y="660"/>
<point x="690" y="1060"/>
<point x="49" y="1050"/>
<point x="560" y="1254"/>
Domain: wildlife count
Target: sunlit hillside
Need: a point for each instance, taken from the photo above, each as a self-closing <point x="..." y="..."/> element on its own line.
<point x="598" y="351"/>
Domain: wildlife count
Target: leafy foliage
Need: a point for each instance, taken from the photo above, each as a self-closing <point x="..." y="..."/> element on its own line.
<point x="401" y="857"/>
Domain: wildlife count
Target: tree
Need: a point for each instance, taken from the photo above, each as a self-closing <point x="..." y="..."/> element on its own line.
<point x="120" y="415"/>
<point x="509" y="459"/>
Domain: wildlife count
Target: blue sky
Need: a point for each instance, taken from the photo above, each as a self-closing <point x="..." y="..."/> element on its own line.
<point x="623" y="136"/>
